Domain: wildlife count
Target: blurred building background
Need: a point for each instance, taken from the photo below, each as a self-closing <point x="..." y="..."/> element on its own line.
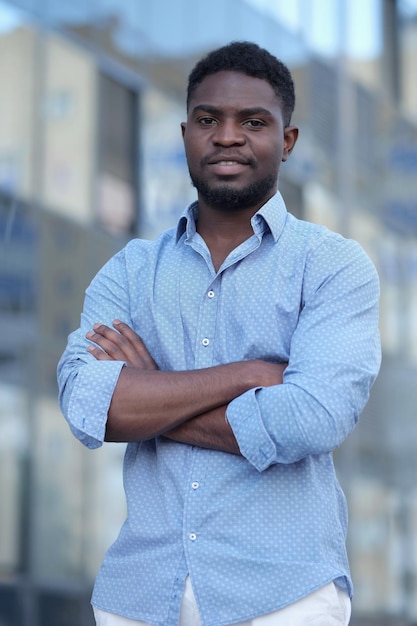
<point x="91" y="97"/>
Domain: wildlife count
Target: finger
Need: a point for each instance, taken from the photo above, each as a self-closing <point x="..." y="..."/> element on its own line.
<point x="122" y="345"/>
<point x="109" y="341"/>
<point x="136" y="342"/>
<point x="98" y="353"/>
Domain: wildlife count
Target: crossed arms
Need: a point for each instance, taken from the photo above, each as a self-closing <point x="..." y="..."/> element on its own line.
<point x="188" y="406"/>
<point x="115" y="391"/>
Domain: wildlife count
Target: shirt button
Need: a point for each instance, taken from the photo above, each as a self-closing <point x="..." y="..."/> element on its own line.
<point x="210" y="294"/>
<point x="205" y="341"/>
<point x="195" y="485"/>
<point x="192" y="536"/>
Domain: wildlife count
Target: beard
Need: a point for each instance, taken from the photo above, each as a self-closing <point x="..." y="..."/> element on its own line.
<point x="227" y="198"/>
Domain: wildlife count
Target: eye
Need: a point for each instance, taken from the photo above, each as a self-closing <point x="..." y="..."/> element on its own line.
<point x="254" y="124"/>
<point x="207" y="121"/>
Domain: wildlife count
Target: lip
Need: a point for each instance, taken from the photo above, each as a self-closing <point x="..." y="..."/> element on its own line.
<point x="227" y="160"/>
<point x="227" y="164"/>
<point x="229" y="167"/>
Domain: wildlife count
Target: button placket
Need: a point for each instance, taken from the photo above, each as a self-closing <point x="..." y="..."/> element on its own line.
<point x="207" y="325"/>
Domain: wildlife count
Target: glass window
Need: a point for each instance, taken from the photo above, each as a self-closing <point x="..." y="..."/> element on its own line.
<point x="66" y="134"/>
<point x="17" y="71"/>
<point x="407" y="20"/>
<point x="117" y="157"/>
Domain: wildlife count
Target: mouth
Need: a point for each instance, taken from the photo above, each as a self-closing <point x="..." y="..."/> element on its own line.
<point x="224" y="162"/>
<point x="227" y="168"/>
<point x="227" y="164"/>
<point x="227" y="160"/>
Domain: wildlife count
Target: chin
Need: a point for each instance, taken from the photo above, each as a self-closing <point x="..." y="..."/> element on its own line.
<point x="230" y="198"/>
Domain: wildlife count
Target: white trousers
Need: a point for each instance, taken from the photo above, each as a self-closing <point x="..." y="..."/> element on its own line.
<point x="328" y="606"/>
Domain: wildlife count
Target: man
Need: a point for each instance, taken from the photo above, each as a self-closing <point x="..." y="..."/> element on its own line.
<point x="233" y="355"/>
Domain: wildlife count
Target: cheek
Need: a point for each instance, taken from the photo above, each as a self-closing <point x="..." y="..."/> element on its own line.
<point x="276" y="155"/>
<point x="270" y="159"/>
<point x="192" y="150"/>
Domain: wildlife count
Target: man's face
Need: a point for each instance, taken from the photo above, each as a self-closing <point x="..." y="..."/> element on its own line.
<point x="235" y="140"/>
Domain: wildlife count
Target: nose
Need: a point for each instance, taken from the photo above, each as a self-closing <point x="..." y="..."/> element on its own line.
<point x="229" y="133"/>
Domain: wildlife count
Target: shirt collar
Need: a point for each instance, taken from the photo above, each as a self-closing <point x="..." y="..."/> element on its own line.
<point x="271" y="215"/>
<point x="187" y="221"/>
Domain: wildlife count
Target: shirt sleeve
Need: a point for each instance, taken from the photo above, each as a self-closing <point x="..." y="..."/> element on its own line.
<point x="334" y="359"/>
<point x="86" y="385"/>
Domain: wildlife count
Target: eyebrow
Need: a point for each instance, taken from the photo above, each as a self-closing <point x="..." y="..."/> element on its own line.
<point x="209" y="108"/>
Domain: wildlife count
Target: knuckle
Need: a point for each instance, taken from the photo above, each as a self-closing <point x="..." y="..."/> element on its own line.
<point x="123" y="343"/>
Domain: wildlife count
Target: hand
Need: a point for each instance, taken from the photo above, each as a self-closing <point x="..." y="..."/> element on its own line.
<point x="267" y="374"/>
<point x="121" y="344"/>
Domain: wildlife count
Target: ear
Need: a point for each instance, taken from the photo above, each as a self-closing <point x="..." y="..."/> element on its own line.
<point x="290" y="138"/>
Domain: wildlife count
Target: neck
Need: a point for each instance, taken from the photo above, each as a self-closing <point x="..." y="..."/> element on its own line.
<point x="223" y="231"/>
<point x="226" y="225"/>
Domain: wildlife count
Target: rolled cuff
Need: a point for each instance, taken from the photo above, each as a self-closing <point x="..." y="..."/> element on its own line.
<point x="90" y="401"/>
<point x="244" y="417"/>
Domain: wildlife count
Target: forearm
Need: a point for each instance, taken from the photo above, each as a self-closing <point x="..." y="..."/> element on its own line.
<point x="147" y="403"/>
<point x="209" y="430"/>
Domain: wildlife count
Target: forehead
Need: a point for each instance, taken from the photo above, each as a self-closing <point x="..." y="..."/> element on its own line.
<point x="234" y="88"/>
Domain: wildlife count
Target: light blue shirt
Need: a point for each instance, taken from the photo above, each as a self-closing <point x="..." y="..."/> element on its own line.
<point x="259" y="531"/>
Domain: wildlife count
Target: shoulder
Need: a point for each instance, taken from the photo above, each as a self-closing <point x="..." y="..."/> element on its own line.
<point x="325" y="246"/>
<point x="140" y="246"/>
<point x="137" y="255"/>
<point x="331" y="259"/>
<point x="138" y="251"/>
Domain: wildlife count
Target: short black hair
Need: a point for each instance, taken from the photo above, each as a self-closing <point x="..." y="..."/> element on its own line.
<point x="250" y="59"/>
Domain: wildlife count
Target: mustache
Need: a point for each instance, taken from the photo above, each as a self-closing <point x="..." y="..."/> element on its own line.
<point x="228" y="155"/>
